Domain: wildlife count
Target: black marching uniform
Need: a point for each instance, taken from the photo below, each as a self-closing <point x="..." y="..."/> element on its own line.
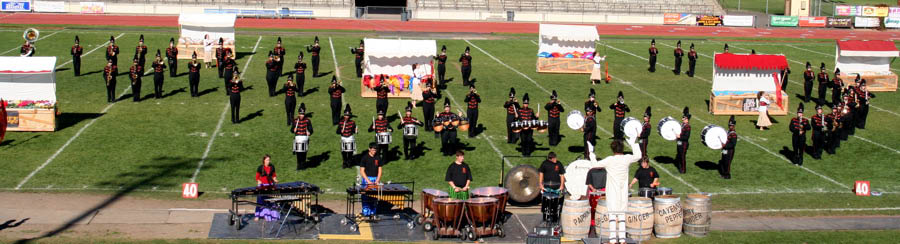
<point x="679" y="54"/>
<point x="799" y="126"/>
<point x="300" y="80"/>
<point x="135" y="73"/>
<point x="590" y="131"/>
<point x="194" y="75"/>
<point x="441" y="65"/>
<point x="644" y="137"/>
<point x="290" y="98"/>
<point x="512" y="113"/>
<point x="619" y="109"/>
<point x="335" y="92"/>
<point x="448" y="134"/>
<point x="279" y="51"/>
<point x="381" y="96"/>
<point x="379" y="126"/>
<point x="112" y="51"/>
<point x="346" y="128"/>
<point x="653" y="52"/>
<point x="172" y="58"/>
<point x="472" y="101"/>
<point x="234" y="90"/>
<point x="222" y="54"/>
<point x="302" y="127"/>
<point x="271" y="73"/>
<point x="314" y="52"/>
<point x="141" y="52"/>
<point x="527" y="134"/>
<point x="554" y="110"/>
<point x="76" y="52"/>
<point x="824" y="83"/>
<point x="818" y="136"/>
<point x="428" y="98"/>
<point x="158" y="77"/>
<point x="359" y="53"/>
<point x="109" y="76"/>
<point x="863" y="101"/>
<point x="847" y="118"/>
<point x="808" y="77"/>
<point x="465" y="63"/>
<point x="409" y="142"/>
<point x="833" y="125"/>
<point x="837" y="87"/>
<point x="27" y="48"/>
<point x="682" y="143"/>
<point x="784" y="78"/>
<point x="592" y="104"/>
<point x="229" y="68"/>
<point x="728" y="150"/>
<point x="692" y="61"/>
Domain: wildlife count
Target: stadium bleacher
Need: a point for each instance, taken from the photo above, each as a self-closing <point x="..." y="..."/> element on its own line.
<point x="705" y="7"/>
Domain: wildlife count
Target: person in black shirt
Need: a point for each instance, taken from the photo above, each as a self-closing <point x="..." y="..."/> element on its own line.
<point x="459" y="176"/>
<point x="370" y="170"/>
<point x="527" y="133"/>
<point x="465" y="61"/>
<point x="644" y="137"/>
<point x="619" y="109"/>
<point x="76" y="52"/>
<point x="678" y="55"/>
<point x="552" y="174"/>
<point x="590" y="130"/>
<point x="336" y="92"/>
<point x="653" y="52"/>
<point x="682" y="142"/>
<point x="554" y="109"/>
<point x="646" y="176"/>
<point x="472" y="100"/>
<point x="512" y="114"/>
<point x="441" y="65"/>
<point x="596" y="180"/>
<point x="314" y="51"/>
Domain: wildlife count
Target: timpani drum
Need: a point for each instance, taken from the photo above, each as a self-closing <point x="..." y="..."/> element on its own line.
<point x="647" y="192"/>
<point x="482" y="212"/>
<point x="383" y="138"/>
<point x="428" y="208"/>
<point x="448" y="217"/>
<point x="631" y="127"/>
<point x="575" y="120"/>
<point x="301" y="143"/>
<point x="662" y="191"/>
<point x="410" y="131"/>
<point x="499" y="193"/>
<point x="669" y="128"/>
<point x="713" y="136"/>
<point x="348" y="144"/>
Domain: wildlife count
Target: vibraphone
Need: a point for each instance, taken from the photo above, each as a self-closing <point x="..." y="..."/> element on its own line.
<point x="396" y="194"/>
<point x="301" y="196"/>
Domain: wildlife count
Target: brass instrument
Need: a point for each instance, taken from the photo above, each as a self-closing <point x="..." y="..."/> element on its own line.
<point x="30" y="35"/>
<point x="109" y="75"/>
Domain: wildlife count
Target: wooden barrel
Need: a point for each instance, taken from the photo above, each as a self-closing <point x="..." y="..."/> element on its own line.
<point x="639" y="226"/>
<point x="697" y="215"/>
<point x="601" y="220"/>
<point x="668" y="216"/>
<point x="575" y="219"/>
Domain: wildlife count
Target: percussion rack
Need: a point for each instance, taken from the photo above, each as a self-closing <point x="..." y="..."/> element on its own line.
<point x="397" y="193"/>
<point x="300" y="196"/>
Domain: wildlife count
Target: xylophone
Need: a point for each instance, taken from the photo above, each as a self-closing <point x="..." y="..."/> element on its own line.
<point x="301" y="196"/>
<point x="395" y="194"/>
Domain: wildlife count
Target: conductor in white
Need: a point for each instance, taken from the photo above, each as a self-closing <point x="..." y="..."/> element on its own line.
<point x="617" y="167"/>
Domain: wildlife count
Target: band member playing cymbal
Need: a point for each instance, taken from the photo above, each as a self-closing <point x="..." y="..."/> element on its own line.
<point x="527" y="133"/>
<point x="644" y="137"/>
<point x="335" y="92"/>
<point x="409" y="143"/>
<point x="112" y="51"/>
<point x="172" y="57"/>
<point x="728" y="150"/>
<point x="554" y="109"/>
<point x="290" y="98"/>
<point x="76" y="52"/>
<point x="347" y="128"/>
<point x="459" y="176"/>
<point x="135" y="73"/>
<point x="381" y="125"/>
<point x="194" y="75"/>
<point x="512" y="114"/>
<point x="158" y="76"/>
<point x="109" y="76"/>
<point x="799" y="126"/>
<point x="302" y="127"/>
<point x="682" y="141"/>
<point x="448" y="134"/>
<point x="472" y="100"/>
<point x="619" y="109"/>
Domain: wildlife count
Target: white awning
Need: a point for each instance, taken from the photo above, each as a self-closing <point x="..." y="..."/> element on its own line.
<point x="581" y="33"/>
<point x="28" y="78"/>
<point x="16" y="64"/>
<point x="390" y="48"/>
<point x="207" y="20"/>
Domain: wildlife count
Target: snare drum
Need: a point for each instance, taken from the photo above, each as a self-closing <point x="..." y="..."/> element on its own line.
<point x="551" y="206"/>
<point x="383" y="138"/>
<point x="301" y="143"/>
<point x="575" y="119"/>
<point x="713" y="136"/>
<point x="647" y="192"/>
<point x="410" y="131"/>
<point x="662" y="191"/>
<point x="669" y="128"/>
<point x="631" y="127"/>
<point x="348" y="144"/>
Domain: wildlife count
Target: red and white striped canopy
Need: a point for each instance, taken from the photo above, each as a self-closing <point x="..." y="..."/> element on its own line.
<point x="750" y="61"/>
<point x="873" y="48"/>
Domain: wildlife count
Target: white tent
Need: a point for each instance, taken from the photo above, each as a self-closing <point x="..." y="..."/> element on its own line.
<point x="195" y="26"/>
<point x="865" y="56"/>
<point x="567" y="38"/>
<point x="28" y="78"/>
<point x="392" y="57"/>
<point x="736" y="74"/>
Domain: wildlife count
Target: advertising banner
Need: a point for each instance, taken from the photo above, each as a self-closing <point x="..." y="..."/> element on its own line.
<point x="15" y="5"/>
<point x="679" y="19"/>
<point x="842" y="10"/>
<point x="840" y="22"/>
<point x="738" y="20"/>
<point x="671" y="18"/>
<point x="785" y="21"/>
<point x="50" y="6"/>
<point x="807" y="21"/>
<point x="892" y="22"/>
<point x="92" y="7"/>
<point x="709" y="20"/>
<point x="893" y="12"/>
<point x="866" y="22"/>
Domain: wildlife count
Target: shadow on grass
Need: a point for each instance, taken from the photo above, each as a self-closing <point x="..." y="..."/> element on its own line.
<point x="66" y="120"/>
<point x="252" y="115"/>
<point x="157" y="172"/>
<point x="174" y="92"/>
<point x="207" y="91"/>
<point x="707" y="165"/>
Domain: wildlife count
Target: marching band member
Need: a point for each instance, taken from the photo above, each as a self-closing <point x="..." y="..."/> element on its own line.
<point x="554" y="109"/>
<point x="381" y="95"/>
<point x="472" y="100"/>
<point x="135" y="73"/>
<point x="619" y="109"/>
<point x="300" y="73"/>
<point x="459" y="176"/>
<point x="725" y="49"/>
<point x="336" y="92"/>
<point x="784" y="78"/>
<point x="448" y="134"/>
<point x="76" y="52"/>
<point x="679" y="54"/>
<point x="428" y="98"/>
<point x="140" y="51"/>
<point x="271" y="73"/>
<point x="592" y="103"/>
<point x="172" y="57"/>
<point x="346" y="128"/>
<point x="692" y="61"/>
<point x="863" y="97"/>
<point x="279" y="52"/>
<point x="158" y="76"/>
<point x="314" y="52"/>
<point x="370" y="170"/>
<point x="229" y="70"/>
<point x="728" y="150"/>
<point x="824" y="82"/>
<point x="109" y="76"/>
<point x="644" y="137"/>
<point x="360" y="53"/>
<point x="265" y="176"/>
<point x="653" y="52"/>
<point x="302" y="127"/>
<point x="290" y="98"/>
<point x="837" y="87"/>
<point x="848" y="113"/>
<point x="234" y="90"/>
<point x="818" y="137"/>
<point x="682" y="141"/>
<point x="222" y="54"/>
<point x="512" y="114"/>
<point x="799" y="126"/>
<point x="112" y="51"/>
<point x="465" y="63"/>
<point x="833" y="125"/>
<point x="194" y="75"/>
<point x="808" y="77"/>
<point x="527" y="133"/>
<point x="409" y="144"/>
<point x="27" y="49"/>
<point x="381" y="125"/>
<point x="441" y="65"/>
<point x="589" y="129"/>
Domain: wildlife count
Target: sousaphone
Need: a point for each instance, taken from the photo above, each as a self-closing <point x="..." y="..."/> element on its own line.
<point x="30" y="35"/>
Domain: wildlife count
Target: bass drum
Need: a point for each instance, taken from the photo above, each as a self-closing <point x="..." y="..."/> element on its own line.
<point x="523" y="183"/>
<point x="713" y="136"/>
<point x="669" y="128"/>
<point x="575" y="120"/>
<point x="631" y="127"/>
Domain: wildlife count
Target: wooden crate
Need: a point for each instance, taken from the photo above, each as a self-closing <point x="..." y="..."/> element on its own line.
<point x="734" y="104"/>
<point x="565" y="65"/>
<point x="875" y="82"/>
<point x="30" y="119"/>
<point x="186" y="50"/>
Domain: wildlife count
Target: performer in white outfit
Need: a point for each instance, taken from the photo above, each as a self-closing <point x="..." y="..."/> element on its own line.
<point x="597" y="72"/>
<point x="763" y="121"/>
<point x="207" y="50"/>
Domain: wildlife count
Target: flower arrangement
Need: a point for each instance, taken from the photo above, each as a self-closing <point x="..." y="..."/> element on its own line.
<point x="584" y="55"/>
<point x="30" y="104"/>
<point x="397" y="83"/>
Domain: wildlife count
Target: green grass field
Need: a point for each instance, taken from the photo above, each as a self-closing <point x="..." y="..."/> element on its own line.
<point x="157" y="144"/>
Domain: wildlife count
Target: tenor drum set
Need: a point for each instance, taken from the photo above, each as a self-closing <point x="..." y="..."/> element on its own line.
<point x="301" y="143"/>
<point x="539" y="125"/>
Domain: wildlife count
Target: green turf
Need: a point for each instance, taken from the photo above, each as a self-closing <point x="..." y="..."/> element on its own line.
<point x="777" y="7"/>
<point x="157" y="144"/>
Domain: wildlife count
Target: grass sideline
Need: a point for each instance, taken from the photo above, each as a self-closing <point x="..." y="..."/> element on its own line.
<point x="157" y="143"/>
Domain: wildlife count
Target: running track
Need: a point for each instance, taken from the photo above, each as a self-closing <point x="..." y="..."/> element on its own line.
<point x="453" y="26"/>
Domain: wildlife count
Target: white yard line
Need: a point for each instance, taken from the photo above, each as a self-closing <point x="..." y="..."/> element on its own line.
<point x="535" y="43"/>
<point x="804" y="210"/>
<point x="89" y="52"/>
<point x="337" y="71"/>
<point x="42" y="38"/>
<point x="564" y="104"/>
<point x="221" y="119"/>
